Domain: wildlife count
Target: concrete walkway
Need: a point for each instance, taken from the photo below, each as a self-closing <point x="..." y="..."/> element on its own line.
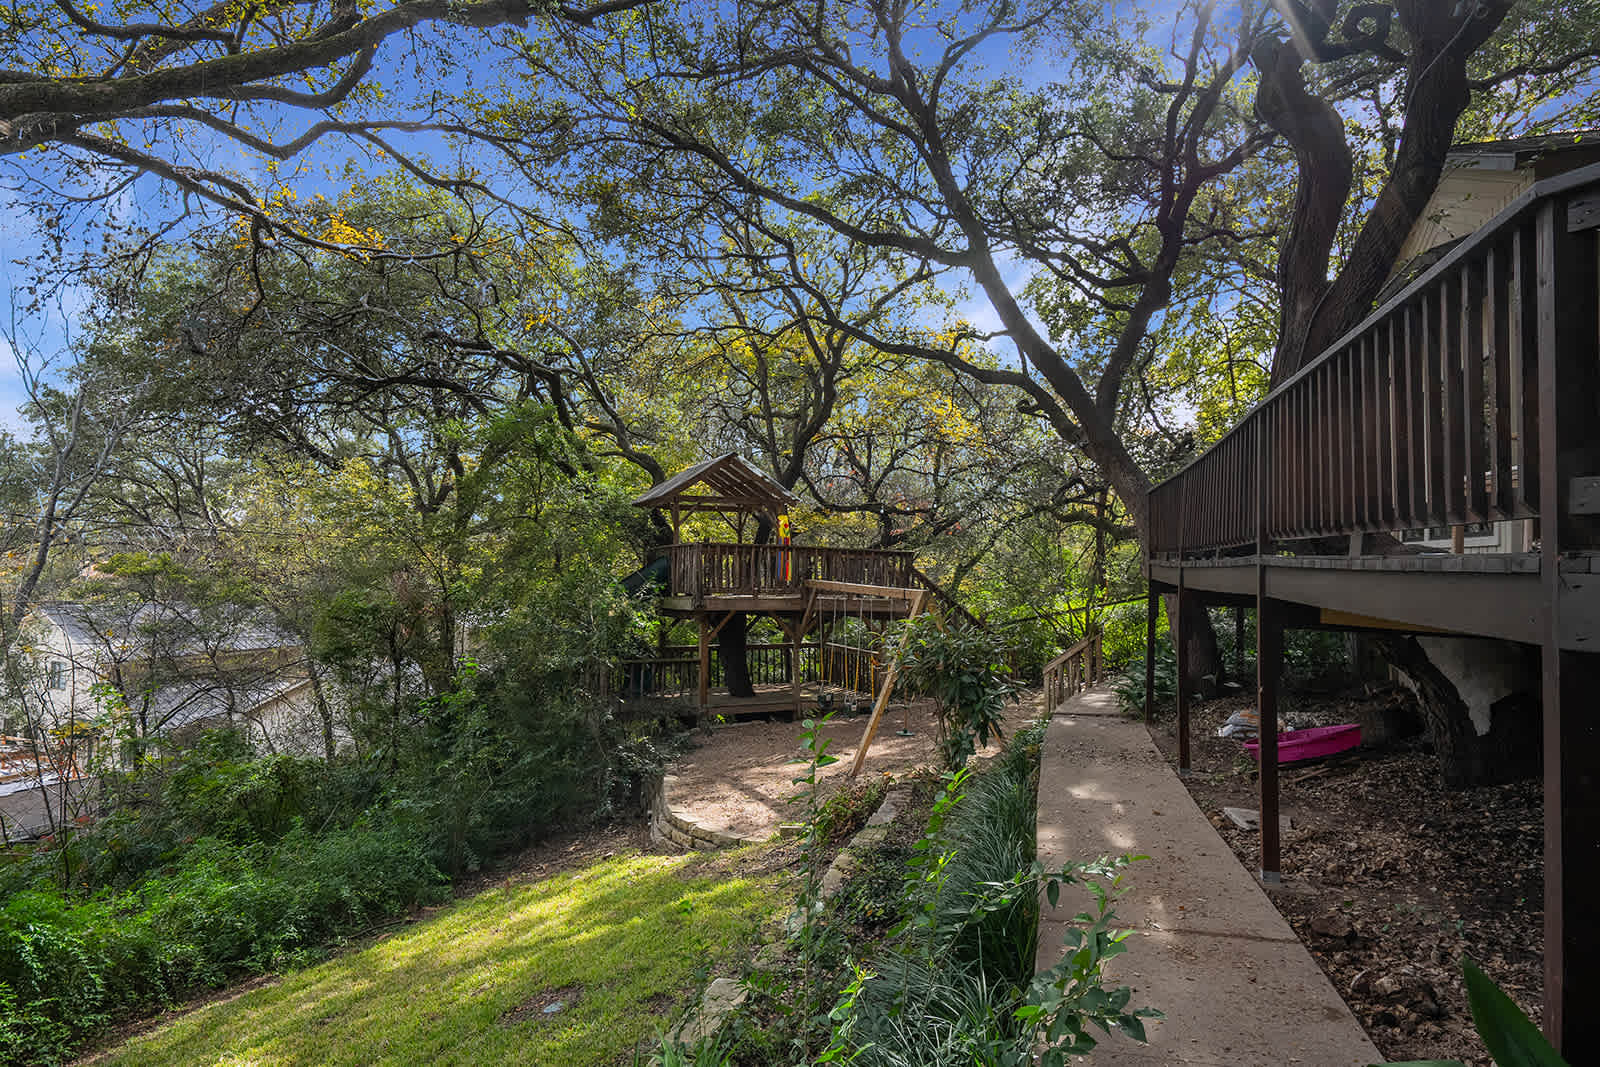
<point x="1208" y="947"/>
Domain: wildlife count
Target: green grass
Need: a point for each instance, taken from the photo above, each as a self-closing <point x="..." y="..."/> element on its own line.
<point x="635" y="934"/>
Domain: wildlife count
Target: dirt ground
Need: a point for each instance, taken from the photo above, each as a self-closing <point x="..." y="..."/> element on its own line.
<point x="739" y="777"/>
<point x="1389" y="877"/>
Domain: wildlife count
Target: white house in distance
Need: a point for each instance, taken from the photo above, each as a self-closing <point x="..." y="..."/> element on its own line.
<point x="177" y="668"/>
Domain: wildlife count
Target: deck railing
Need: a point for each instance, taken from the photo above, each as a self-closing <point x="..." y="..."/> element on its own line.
<point x="1427" y="413"/>
<point x="1079" y="667"/>
<point x="712" y="569"/>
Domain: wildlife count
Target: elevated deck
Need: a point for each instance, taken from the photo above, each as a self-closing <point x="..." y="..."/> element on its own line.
<point x="1473" y="396"/>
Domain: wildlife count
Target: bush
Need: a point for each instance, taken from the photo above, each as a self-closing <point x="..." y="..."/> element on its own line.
<point x="1129" y="684"/>
<point x="963" y="668"/>
<point x="69" y="966"/>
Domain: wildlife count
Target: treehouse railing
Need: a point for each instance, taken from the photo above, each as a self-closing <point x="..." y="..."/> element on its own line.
<point x="1428" y="412"/>
<point x="712" y="569"/>
<point x="676" y="673"/>
<point x="1079" y="667"/>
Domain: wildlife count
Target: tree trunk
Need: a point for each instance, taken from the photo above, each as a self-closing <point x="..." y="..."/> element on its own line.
<point x="324" y="712"/>
<point x="731" y="642"/>
<point x="1207" y="672"/>
<point x="1480" y="702"/>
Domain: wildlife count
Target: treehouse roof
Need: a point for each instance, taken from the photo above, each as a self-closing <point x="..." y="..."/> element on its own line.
<point x="729" y="482"/>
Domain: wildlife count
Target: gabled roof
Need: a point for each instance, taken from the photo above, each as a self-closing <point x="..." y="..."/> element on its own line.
<point x="730" y="482"/>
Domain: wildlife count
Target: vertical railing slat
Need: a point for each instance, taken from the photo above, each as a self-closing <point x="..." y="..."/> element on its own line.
<point x="1474" y="425"/>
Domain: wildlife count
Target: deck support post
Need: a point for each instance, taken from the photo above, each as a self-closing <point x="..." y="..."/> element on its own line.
<point x="1152" y="614"/>
<point x="1269" y="665"/>
<point x="1568" y="379"/>
<point x="796" y="638"/>
<point x="1181" y="636"/>
<point x="1571" y="851"/>
<point x="705" y="662"/>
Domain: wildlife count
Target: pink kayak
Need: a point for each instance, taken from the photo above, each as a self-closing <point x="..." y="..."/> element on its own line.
<point x="1296" y="745"/>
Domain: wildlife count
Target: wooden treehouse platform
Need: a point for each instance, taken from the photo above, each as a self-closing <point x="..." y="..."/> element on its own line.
<point x="803" y="589"/>
<point x="1471" y="397"/>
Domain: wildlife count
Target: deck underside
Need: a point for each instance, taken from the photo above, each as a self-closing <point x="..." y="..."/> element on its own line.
<point x="1498" y="596"/>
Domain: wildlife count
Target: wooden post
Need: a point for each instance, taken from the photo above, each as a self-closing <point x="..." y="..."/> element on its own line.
<point x="1569" y="449"/>
<point x="884" y="693"/>
<point x="1152" y="613"/>
<point x="1269" y="668"/>
<point x="1458" y="539"/>
<point x="1269" y="664"/>
<point x="705" y="662"/>
<point x="1181" y="636"/>
<point x="795" y="638"/>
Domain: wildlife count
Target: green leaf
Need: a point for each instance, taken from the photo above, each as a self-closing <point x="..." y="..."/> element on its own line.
<point x="1507" y="1033"/>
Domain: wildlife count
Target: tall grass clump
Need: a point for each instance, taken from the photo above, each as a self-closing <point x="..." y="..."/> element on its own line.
<point x="958" y="983"/>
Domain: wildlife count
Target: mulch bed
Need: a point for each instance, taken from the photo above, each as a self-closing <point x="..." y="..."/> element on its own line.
<point x="1390" y="878"/>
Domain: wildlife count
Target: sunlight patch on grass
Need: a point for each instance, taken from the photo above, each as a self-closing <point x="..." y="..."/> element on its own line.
<point x="633" y="935"/>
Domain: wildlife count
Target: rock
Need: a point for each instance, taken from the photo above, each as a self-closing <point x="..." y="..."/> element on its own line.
<point x="1387" y="986"/>
<point x="720" y="999"/>
<point x="1332" y="924"/>
<point x="768" y="957"/>
<point x="1250" y="819"/>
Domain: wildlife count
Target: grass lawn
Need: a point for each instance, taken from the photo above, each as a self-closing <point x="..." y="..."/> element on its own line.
<point x="633" y="935"/>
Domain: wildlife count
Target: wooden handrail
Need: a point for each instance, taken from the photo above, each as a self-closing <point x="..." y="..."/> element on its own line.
<point x="1425" y="414"/>
<point x="1074" y="670"/>
<point x="719" y="569"/>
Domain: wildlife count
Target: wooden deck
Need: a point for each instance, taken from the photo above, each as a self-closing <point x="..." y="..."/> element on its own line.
<point x="1473" y="396"/>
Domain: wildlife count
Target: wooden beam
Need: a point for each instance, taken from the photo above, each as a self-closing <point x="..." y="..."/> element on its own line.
<point x="1331" y="617"/>
<point x="885" y="592"/>
<point x="1571" y="850"/>
<point x="885" y="692"/>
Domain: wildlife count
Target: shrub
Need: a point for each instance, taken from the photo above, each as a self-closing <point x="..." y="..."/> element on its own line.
<point x="963" y="668"/>
<point x="1129" y="684"/>
<point x="961" y="988"/>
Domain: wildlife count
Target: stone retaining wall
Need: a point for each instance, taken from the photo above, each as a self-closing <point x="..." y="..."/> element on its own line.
<point x="677" y="826"/>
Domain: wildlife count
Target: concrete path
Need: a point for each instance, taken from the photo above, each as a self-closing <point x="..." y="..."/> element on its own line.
<point x="1208" y="947"/>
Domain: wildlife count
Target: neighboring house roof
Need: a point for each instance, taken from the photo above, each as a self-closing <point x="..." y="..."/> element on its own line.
<point x="194" y="701"/>
<point x="732" y="481"/>
<point x="230" y="629"/>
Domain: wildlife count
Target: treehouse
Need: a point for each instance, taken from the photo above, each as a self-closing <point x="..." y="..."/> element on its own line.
<point x="812" y="594"/>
